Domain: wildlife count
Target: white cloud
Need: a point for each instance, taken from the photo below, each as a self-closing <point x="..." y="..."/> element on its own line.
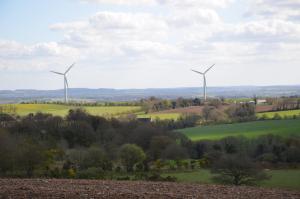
<point x="263" y="31"/>
<point x="194" y="17"/>
<point x="121" y="2"/>
<point x="114" y="33"/>
<point x="283" y="9"/>
<point x="196" y="3"/>
<point x="188" y="33"/>
<point x="178" y="4"/>
<point x="15" y="56"/>
<point x="12" y="49"/>
<point x="113" y="21"/>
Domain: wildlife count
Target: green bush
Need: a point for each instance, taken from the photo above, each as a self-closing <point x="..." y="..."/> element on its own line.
<point x="91" y="173"/>
<point x="237" y="170"/>
<point x="154" y="176"/>
<point x="125" y="178"/>
<point x="268" y="157"/>
<point x="277" y="117"/>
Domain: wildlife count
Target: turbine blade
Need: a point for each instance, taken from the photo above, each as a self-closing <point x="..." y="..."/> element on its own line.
<point x="69" y="68"/>
<point x="197" y="72"/>
<point x="209" y="68"/>
<point x="56" y="73"/>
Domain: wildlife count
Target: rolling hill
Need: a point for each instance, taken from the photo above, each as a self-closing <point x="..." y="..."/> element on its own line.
<point x="247" y="129"/>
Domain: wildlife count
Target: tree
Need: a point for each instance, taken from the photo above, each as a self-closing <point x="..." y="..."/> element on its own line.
<point x="175" y="152"/>
<point x="237" y="170"/>
<point x="255" y="99"/>
<point x="241" y="112"/>
<point x="31" y="156"/>
<point x="77" y="157"/>
<point x="96" y="157"/>
<point x="7" y="146"/>
<point x="79" y="133"/>
<point x="211" y="113"/>
<point x="142" y="135"/>
<point x="157" y="145"/>
<point x="130" y="155"/>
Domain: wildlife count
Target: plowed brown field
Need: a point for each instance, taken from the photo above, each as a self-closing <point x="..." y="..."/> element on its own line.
<point x="43" y="188"/>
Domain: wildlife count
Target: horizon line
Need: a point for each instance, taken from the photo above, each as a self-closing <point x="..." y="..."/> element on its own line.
<point x="148" y="88"/>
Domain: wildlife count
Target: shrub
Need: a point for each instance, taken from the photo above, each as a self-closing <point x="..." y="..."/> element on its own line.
<point x="91" y="173"/>
<point x="277" y="117"/>
<point x="268" y="157"/>
<point x="158" y="177"/>
<point x="130" y="155"/>
<point x="237" y="170"/>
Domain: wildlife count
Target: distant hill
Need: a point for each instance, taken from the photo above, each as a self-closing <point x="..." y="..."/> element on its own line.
<point x="101" y="94"/>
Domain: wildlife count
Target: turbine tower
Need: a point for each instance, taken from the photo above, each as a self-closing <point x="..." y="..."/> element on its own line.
<point x="204" y="80"/>
<point x="66" y="85"/>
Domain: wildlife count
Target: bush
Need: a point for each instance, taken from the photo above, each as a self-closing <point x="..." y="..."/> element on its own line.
<point x="175" y="152"/>
<point x="277" y="117"/>
<point x="268" y="157"/>
<point x="237" y="170"/>
<point x="91" y="173"/>
<point x="130" y="155"/>
<point x="154" y="176"/>
<point x="123" y="178"/>
<point x="263" y="117"/>
<point x="241" y="112"/>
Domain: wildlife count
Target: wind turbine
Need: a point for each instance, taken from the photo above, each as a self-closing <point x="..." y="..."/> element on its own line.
<point x="204" y="80"/>
<point x="66" y="85"/>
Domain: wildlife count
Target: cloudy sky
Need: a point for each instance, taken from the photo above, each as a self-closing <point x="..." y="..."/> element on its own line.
<point x="148" y="43"/>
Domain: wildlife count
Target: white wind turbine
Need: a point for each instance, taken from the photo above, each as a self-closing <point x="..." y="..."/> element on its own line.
<point x="204" y="80"/>
<point x="66" y="85"/>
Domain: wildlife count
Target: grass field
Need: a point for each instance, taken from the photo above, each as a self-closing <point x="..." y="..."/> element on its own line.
<point x="248" y="129"/>
<point x="289" y="179"/>
<point x="290" y="113"/>
<point x="62" y="110"/>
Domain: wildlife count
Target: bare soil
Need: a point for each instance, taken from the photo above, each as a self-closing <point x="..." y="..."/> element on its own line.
<point x="58" y="188"/>
<point x="264" y="108"/>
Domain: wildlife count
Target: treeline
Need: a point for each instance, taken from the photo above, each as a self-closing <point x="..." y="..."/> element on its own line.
<point x="214" y="114"/>
<point x="284" y="103"/>
<point x="85" y="146"/>
<point x="153" y="104"/>
<point x="269" y="150"/>
<point x="67" y="146"/>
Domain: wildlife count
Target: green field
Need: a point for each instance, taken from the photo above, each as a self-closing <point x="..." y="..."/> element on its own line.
<point x="248" y="129"/>
<point x="62" y="110"/>
<point x="288" y="179"/>
<point x="289" y="113"/>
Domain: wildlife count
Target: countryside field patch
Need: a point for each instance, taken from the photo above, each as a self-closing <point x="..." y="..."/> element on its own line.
<point x="289" y="113"/>
<point x="69" y="188"/>
<point x="248" y="129"/>
<point x="62" y="110"/>
<point x="287" y="179"/>
<point x="161" y="116"/>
